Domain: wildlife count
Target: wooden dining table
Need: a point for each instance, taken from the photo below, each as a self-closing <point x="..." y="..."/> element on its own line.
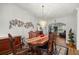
<point x="38" y="41"/>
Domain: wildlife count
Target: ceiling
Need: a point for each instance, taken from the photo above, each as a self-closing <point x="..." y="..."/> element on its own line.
<point x="51" y="10"/>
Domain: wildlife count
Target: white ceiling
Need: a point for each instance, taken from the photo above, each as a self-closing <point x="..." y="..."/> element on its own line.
<point x="51" y="10"/>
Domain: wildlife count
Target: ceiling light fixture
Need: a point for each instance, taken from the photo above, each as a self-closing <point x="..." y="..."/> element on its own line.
<point x="43" y="22"/>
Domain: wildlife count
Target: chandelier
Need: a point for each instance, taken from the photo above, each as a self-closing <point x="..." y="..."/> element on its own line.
<point x="42" y="22"/>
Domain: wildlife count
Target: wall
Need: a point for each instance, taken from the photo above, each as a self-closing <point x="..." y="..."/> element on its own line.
<point x="77" y="28"/>
<point x="70" y="21"/>
<point x="11" y="11"/>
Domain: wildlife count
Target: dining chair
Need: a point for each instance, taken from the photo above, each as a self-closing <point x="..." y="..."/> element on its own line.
<point x="50" y="43"/>
<point x="32" y="34"/>
<point x="20" y="50"/>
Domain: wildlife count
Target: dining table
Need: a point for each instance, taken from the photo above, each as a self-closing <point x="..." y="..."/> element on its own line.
<point x="37" y="41"/>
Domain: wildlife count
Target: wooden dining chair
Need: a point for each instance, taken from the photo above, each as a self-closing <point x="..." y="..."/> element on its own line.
<point x="52" y="43"/>
<point x="20" y="50"/>
<point x="32" y="34"/>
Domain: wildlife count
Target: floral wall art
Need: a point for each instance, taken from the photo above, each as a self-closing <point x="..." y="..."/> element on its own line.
<point x="19" y="23"/>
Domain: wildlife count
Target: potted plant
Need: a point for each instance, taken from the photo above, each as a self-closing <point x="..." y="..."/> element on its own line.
<point x="71" y="37"/>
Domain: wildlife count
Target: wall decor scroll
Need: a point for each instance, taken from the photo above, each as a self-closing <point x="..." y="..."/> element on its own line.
<point x="19" y="23"/>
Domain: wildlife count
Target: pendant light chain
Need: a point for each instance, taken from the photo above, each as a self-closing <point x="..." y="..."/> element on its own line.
<point x="42" y="11"/>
